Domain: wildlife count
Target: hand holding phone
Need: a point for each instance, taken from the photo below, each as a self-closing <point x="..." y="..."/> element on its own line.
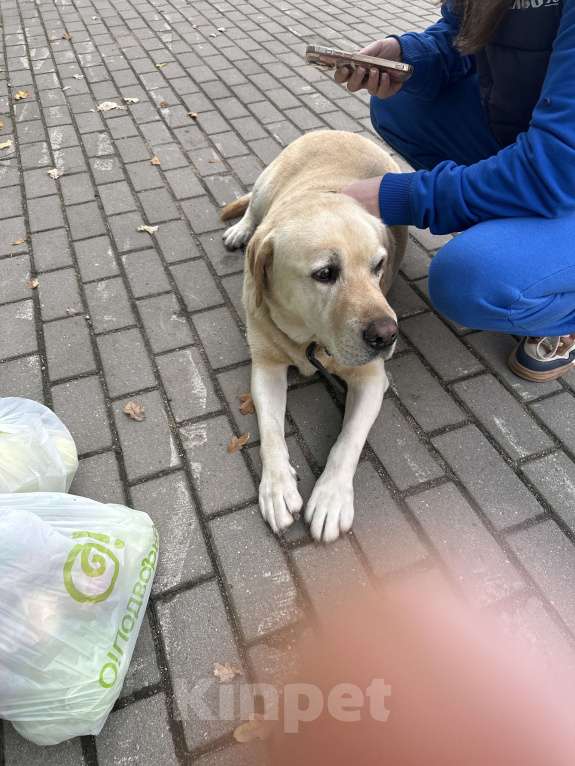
<point x="380" y="84"/>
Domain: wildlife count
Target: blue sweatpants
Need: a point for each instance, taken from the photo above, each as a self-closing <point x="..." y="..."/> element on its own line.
<point x="510" y="275"/>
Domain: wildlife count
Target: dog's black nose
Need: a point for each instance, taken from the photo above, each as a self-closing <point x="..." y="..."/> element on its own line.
<point x="381" y="333"/>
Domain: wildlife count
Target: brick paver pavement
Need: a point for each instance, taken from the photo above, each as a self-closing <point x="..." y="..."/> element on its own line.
<point x="469" y="472"/>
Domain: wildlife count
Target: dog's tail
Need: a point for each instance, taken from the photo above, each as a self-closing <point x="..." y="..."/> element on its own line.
<point x="236" y="208"/>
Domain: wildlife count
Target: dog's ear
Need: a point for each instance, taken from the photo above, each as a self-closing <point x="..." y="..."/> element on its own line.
<point x="259" y="253"/>
<point x="396" y="237"/>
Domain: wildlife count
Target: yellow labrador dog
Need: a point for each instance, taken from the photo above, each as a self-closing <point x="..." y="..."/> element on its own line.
<point x="318" y="267"/>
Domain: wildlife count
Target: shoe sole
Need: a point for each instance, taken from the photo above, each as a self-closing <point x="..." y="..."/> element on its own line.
<point x="537" y="377"/>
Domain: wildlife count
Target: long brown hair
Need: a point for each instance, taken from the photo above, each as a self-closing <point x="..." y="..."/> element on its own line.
<point x="480" y="19"/>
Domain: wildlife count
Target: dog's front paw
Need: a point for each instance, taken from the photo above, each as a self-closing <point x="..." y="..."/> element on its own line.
<point x="329" y="511"/>
<point x="237" y="235"/>
<point x="279" y="496"/>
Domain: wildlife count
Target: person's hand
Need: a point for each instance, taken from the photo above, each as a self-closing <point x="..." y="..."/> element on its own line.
<point x="380" y="84"/>
<point x="366" y="192"/>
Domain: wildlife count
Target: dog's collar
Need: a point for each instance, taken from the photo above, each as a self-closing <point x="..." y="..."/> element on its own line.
<point x="310" y="353"/>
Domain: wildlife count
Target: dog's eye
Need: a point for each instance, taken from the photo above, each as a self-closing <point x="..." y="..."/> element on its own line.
<point x="326" y="274"/>
<point x="379" y="266"/>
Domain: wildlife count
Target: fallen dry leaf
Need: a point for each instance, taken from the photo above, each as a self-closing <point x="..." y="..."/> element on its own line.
<point x="213" y="34"/>
<point x="20" y="94"/>
<point x="148" y="229"/>
<point x="19" y="242"/>
<point x="193" y="115"/>
<point x="237" y="442"/>
<point x="1" y="124"/>
<point x="155" y="161"/>
<point x="226" y="672"/>
<point x="131" y="100"/>
<point x="134" y="410"/>
<point x="6" y="144"/>
<point x="247" y="404"/>
<point x="78" y="76"/>
<point x="66" y="36"/>
<point x="221" y="29"/>
<point x="164" y="105"/>
<point x="55" y="173"/>
<point x="161" y="66"/>
<point x="258" y="728"/>
<point x="107" y="106"/>
<point x="32" y="283"/>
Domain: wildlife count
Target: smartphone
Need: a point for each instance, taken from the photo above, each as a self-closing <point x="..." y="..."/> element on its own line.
<point x="331" y="58"/>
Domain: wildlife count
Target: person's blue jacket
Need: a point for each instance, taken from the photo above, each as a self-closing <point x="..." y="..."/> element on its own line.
<point x="535" y="176"/>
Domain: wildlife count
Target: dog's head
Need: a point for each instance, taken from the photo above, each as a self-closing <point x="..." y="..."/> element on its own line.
<point x="320" y="269"/>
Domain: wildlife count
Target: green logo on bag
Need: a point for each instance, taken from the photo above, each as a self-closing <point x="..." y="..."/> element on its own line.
<point x="92" y="559"/>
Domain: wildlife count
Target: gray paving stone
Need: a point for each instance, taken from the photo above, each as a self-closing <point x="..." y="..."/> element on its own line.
<point x="197" y="635"/>
<point x="59" y="294"/>
<point x="147" y="446"/>
<point x="495" y="349"/>
<point x="146" y="273"/>
<point x="175" y="242"/>
<point x="402" y="454"/>
<point x="224" y="261"/>
<point x="554" y="477"/>
<point x="441" y="348"/>
<point x="196" y="285"/>
<point x="557" y="414"/>
<point x="382" y="530"/>
<point x="95" y="259"/>
<point x="144" y="176"/>
<point x="109" y="305"/>
<point x="77" y="188"/>
<point x="403" y="298"/>
<point x="125" y="362"/>
<point x="536" y="547"/>
<point x="143" y="669"/>
<point x="233" y="285"/>
<point x="22" y="377"/>
<point x="85" y="221"/>
<point x="330" y="574"/>
<point x="476" y="561"/>
<point x="184" y="556"/>
<point x="98" y="477"/>
<point x="430" y="241"/>
<point x="17" y="331"/>
<point x="222" y="478"/>
<point x="14" y="273"/>
<point x="158" y="206"/>
<point x="488" y="478"/>
<point x="37" y="183"/>
<point x="317" y="418"/>
<point x="68" y="348"/>
<point x="184" y="183"/>
<point x="201" y="213"/>
<point x="117" y="198"/>
<point x="221" y="338"/>
<point x="422" y="394"/>
<point x="80" y="404"/>
<point x="45" y="213"/>
<point x="497" y="410"/>
<point x="18" y="750"/>
<point x="188" y="386"/>
<point x="166" y="325"/>
<point x="137" y="732"/>
<point x="234" y="383"/>
<point x="248" y="549"/>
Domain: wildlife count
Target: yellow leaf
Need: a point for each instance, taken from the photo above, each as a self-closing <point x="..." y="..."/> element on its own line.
<point x="6" y="144"/>
<point x="247" y="404"/>
<point x="193" y="115"/>
<point x="66" y="36"/>
<point x="19" y="242"/>
<point x="134" y="410"/>
<point x="226" y="672"/>
<point x="164" y="105"/>
<point x="250" y="730"/>
<point x="148" y="229"/>
<point x="32" y="283"/>
<point x="20" y="94"/>
<point x="237" y="442"/>
<point x="155" y="161"/>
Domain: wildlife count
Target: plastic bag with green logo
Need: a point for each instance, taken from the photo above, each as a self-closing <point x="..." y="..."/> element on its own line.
<point x="75" y="577"/>
<point x="37" y="452"/>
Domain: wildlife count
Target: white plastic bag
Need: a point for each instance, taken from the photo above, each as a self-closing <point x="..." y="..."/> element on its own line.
<point x="37" y="452"/>
<point x="75" y="577"/>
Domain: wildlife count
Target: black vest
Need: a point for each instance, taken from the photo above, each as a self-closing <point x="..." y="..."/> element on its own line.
<point x="513" y="65"/>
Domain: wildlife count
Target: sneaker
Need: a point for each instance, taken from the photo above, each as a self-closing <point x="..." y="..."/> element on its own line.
<point x="540" y="359"/>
